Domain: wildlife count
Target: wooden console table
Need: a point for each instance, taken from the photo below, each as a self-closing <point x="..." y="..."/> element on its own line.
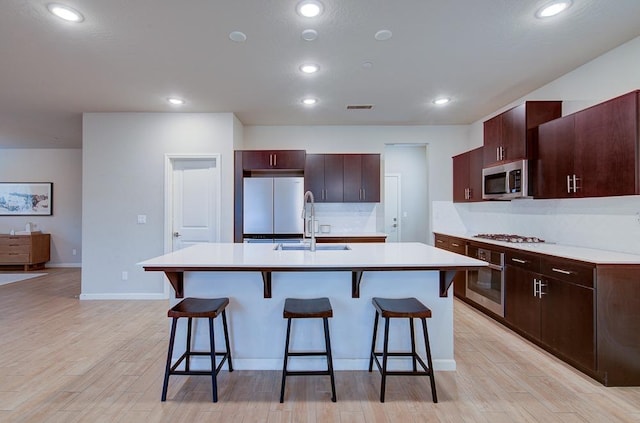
<point x="30" y="251"/>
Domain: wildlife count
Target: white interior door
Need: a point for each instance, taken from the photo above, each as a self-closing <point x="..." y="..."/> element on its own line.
<point x="195" y="198"/>
<point x="392" y="207"/>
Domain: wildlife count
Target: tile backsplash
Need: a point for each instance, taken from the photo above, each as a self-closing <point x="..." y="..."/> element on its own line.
<point x="348" y="217"/>
<point x="610" y="223"/>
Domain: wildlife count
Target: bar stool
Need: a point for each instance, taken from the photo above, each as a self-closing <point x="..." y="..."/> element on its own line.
<point x="295" y="308"/>
<point x="192" y="308"/>
<point x="409" y="308"/>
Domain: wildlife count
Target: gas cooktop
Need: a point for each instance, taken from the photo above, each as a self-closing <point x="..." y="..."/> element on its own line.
<point x="509" y="238"/>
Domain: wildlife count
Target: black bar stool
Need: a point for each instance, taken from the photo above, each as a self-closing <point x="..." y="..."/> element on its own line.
<point x="192" y="308"/>
<point x="409" y="308"/>
<point x="295" y="308"/>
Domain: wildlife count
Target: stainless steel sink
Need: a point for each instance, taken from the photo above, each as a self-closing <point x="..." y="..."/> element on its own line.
<point x="307" y="247"/>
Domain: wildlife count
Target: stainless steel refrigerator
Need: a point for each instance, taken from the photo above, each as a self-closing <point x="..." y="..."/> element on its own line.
<point x="272" y="208"/>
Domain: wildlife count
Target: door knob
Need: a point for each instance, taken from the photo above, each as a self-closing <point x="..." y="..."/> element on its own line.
<point x="177" y="234"/>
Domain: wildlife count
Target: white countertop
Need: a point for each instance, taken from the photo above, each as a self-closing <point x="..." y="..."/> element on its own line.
<point x="590" y="255"/>
<point x="350" y="235"/>
<point x="362" y="255"/>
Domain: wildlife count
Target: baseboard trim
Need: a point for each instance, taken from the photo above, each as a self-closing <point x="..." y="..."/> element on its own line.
<point x="123" y="296"/>
<point x="63" y="265"/>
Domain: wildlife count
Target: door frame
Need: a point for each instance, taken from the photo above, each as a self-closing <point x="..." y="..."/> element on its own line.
<point x="169" y="160"/>
<point x="399" y="204"/>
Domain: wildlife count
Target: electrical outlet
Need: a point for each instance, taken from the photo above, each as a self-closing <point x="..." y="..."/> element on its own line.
<point x="638" y="217"/>
<point x="142" y="219"/>
<point x="125" y="275"/>
<point x="74" y="252"/>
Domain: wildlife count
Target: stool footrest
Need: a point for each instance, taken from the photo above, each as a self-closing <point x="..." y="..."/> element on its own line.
<point x="426" y="372"/>
<point x="306" y="353"/>
<point x="223" y="355"/>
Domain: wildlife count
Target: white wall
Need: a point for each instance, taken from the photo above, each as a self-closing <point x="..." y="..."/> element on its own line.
<point x="609" y="223"/>
<point x="442" y="142"/>
<point x="123" y="176"/>
<point x="63" y="167"/>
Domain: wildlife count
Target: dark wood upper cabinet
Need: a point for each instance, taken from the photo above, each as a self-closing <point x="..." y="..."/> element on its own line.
<point x="511" y="135"/>
<point x="467" y="176"/>
<point x="607" y="148"/>
<point x="323" y="177"/>
<point x="361" y="175"/>
<point x="552" y="170"/>
<point x="343" y="178"/>
<point x="273" y="159"/>
<point x="591" y="153"/>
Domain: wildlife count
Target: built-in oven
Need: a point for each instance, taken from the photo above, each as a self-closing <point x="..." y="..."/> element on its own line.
<point x="485" y="287"/>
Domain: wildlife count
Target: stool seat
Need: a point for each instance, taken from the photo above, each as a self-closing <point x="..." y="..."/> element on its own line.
<point x="198" y="307"/>
<point x="194" y="308"/>
<point x="401" y="307"/>
<point x="295" y="308"/>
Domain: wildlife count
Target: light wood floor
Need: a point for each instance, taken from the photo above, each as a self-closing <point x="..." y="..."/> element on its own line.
<point x="65" y="360"/>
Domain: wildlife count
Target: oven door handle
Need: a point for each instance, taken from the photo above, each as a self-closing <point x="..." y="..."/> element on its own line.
<point x="495" y="267"/>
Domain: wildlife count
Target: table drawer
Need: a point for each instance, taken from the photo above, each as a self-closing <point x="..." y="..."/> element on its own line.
<point x="522" y="260"/>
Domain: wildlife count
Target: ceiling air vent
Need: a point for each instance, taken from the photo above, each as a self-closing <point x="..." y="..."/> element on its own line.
<point x="359" y="106"/>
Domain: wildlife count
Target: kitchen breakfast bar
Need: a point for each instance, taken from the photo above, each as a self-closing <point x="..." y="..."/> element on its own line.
<point x="257" y="278"/>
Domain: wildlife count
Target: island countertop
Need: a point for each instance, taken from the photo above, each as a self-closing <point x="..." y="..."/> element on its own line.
<point x="403" y="255"/>
<point x="266" y="258"/>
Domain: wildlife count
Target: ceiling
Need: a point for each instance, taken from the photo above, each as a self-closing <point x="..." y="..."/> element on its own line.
<point x="130" y="55"/>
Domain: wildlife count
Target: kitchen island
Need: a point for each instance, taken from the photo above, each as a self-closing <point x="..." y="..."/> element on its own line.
<point x="257" y="278"/>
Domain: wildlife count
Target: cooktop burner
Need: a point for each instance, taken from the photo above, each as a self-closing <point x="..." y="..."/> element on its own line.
<point x="509" y="238"/>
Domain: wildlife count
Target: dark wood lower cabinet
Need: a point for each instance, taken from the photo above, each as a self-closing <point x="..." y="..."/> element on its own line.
<point x="567" y="321"/>
<point x="455" y="245"/>
<point x="522" y="307"/>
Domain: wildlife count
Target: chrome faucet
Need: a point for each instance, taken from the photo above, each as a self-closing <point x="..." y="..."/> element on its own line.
<point x="309" y="196"/>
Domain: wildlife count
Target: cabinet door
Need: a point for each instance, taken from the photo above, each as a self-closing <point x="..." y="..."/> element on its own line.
<point x="475" y="174"/>
<point x="258" y="159"/>
<point x="314" y="176"/>
<point x="514" y="133"/>
<point x="567" y="320"/>
<point x="522" y="307"/>
<point x="607" y="148"/>
<point x="370" y="178"/>
<point x="333" y="178"/>
<point x="352" y="178"/>
<point x="460" y="178"/>
<point x="492" y="139"/>
<point x="555" y="163"/>
<point x="288" y="159"/>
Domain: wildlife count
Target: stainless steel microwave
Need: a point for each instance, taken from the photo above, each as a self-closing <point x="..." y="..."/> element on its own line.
<point x="506" y="181"/>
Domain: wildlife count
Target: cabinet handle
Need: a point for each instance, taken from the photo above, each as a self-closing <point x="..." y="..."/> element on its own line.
<point x="535" y="287"/>
<point x="270" y="159"/>
<point x="497" y="153"/>
<point x="575" y="183"/>
<point x="439" y="241"/>
<point x="364" y="194"/>
<point x="568" y="184"/>
<point x="517" y="260"/>
<point x="470" y="191"/>
<point x="540" y="286"/>
<point x="564" y="272"/>
<point x="454" y="244"/>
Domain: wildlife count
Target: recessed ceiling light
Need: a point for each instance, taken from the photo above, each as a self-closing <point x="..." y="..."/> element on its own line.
<point x="309" y="101"/>
<point x="309" y="68"/>
<point x="65" y="12"/>
<point x="309" y="34"/>
<point x="383" y="35"/>
<point x="553" y="8"/>
<point x="238" y="36"/>
<point x="175" y="101"/>
<point x="441" y="101"/>
<point x="309" y="8"/>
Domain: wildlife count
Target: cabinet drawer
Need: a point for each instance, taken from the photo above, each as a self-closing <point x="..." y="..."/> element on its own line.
<point x="457" y="245"/>
<point x="441" y="242"/>
<point x="14" y="258"/>
<point x="523" y="260"/>
<point x="15" y="240"/>
<point x="14" y="249"/>
<point x="568" y="271"/>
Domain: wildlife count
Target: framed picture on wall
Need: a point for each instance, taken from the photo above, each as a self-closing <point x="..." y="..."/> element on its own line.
<point x="26" y="198"/>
